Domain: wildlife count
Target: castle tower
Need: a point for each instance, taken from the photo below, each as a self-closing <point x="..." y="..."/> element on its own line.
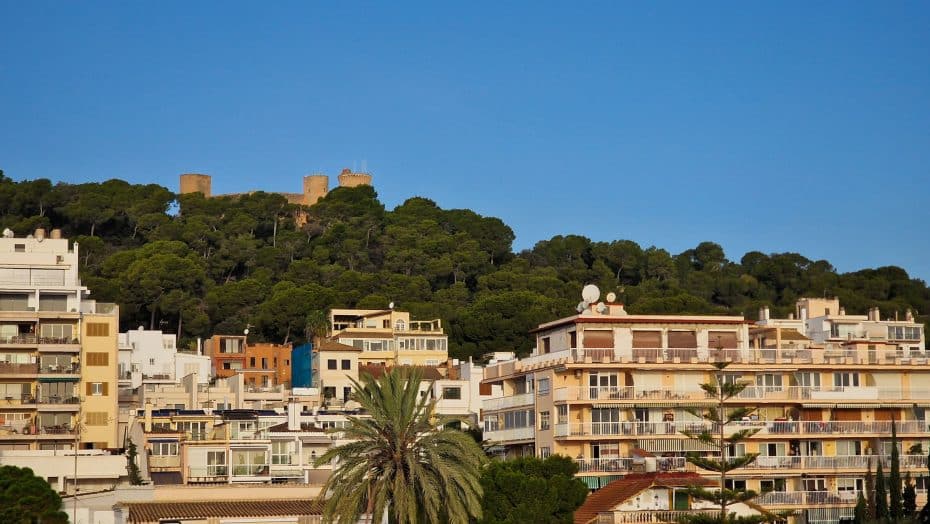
<point x="315" y="187"/>
<point x="195" y="183"/>
<point x="349" y="179"/>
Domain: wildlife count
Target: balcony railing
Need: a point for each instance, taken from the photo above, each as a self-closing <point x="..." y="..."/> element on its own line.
<point x="805" y="498"/>
<point x="621" y="464"/>
<point x="26" y="338"/>
<point x="10" y="368"/>
<point x="650" y="517"/>
<point x="71" y="369"/>
<point x="578" y="429"/>
<point x="53" y="399"/>
<point x="774" y="393"/>
<point x="211" y="472"/>
<point x="859" y="462"/>
<point x="250" y="470"/>
<point x="58" y="340"/>
<point x="510" y="434"/>
<point x="524" y="399"/>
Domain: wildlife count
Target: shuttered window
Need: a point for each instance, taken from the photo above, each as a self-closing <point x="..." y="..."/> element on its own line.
<point x="98" y="329"/>
<point x="886" y="415"/>
<point x="682" y="339"/>
<point x="721" y="339"/>
<point x="598" y="338"/>
<point x="96" y="418"/>
<point x="97" y="359"/>
<point x="847" y="415"/>
<point x="647" y="339"/>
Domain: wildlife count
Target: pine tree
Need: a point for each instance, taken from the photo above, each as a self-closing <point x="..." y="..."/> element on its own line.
<point x="895" y="508"/>
<point x="720" y="416"/>
<point x="135" y="478"/>
<point x="859" y="514"/>
<point x="881" y="496"/>
<point x="909" y="497"/>
<point x="869" y="492"/>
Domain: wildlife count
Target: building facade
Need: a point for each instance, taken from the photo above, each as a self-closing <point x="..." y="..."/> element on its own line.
<point x="614" y="391"/>
<point x="389" y="337"/>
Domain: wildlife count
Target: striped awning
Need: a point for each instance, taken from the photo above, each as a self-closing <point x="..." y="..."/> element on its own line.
<point x="673" y="404"/>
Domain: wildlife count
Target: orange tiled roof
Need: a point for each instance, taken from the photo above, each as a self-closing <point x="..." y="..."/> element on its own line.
<point x="331" y="345"/>
<point x="623" y="489"/>
<point x="144" y="512"/>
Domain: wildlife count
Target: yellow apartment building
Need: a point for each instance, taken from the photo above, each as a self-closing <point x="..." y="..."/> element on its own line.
<point x="612" y="390"/>
<point x="390" y="337"/>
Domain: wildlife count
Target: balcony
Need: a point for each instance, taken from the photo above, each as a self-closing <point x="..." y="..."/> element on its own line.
<point x="853" y="462"/>
<point x="164" y="462"/>
<point x="10" y="368"/>
<point x="207" y="474"/>
<point x="650" y="517"/>
<point x="494" y="404"/>
<point x="631" y="429"/>
<point x="250" y="470"/>
<point x="805" y="499"/>
<point x="60" y="369"/>
<point x="18" y="401"/>
<point x="26" y="339"/>
<point x="767" y="393"/>
<point x="506" y="435"/>
<point x="57" y="403"/>
<point x="626" y="464"/>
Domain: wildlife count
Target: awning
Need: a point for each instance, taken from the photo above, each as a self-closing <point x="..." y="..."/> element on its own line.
<point x="59" y="379"/>
<point x="666" y="445"/>
<point x="673" y="404"/>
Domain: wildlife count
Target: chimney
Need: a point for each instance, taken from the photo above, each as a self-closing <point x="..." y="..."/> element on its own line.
<point x="790" y="316"/>
<point x="40" y="234"/>
<point x="909" y="315"/>
<point x="804" y="314"/>
<point x="293" y="415"/>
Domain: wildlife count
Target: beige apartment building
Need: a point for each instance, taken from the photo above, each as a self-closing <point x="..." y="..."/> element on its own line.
<point x="389" y="337"/>
<point x="612" y="390"/>
<point x="58" y="351"/>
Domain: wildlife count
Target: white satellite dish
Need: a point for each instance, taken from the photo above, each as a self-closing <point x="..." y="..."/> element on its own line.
<point x="391" y="305"/>
<point x="611" y="297"/>
<point x="601" y="307"/>
<point x="245" y="331"/>
<point x="582" y="306"/>
<point x="7" y="233"/>
<point x="590" y="293"/>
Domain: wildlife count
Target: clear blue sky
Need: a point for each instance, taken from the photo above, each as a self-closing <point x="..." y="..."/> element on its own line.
<point x="780" y="126"/>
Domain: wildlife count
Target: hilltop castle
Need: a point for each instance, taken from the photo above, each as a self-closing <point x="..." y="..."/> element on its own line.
<point x="316" y="186"/>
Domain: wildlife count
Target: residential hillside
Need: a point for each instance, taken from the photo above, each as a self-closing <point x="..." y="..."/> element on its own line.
<point x="199" y="266"/>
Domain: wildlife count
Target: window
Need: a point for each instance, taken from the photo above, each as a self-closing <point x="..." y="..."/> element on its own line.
<point x="845" y="380"/>
<point x="252" y="362"/>
<point x="96" y="418"/>
<point x="546" y="345"/>
<point x="903" y="332"/>
<point x="808" y="379"/>
<point x="151" y="361"/>
<point x="544" y="453"/>
<point x="230" y="345"/>
<point x="53" y="303"/>
<point x="814" y="484"/>
<point x="772" y="485"/>
<point x="216" y="463"/>
<point x="19" y="248"/>
<point x="562" y="413"/>
<point x="249" y="463"/>
<point x="848" y="447"/>
<point x="598" y="338"/>
<point x="56" y="332"/>
<point x="721" y="340"/>
<point x="491" y="423"/>
<point x="573" y="339"/>
<point x="542" y="386"/>
<point x="452" y="393"/>
<point x="280" y="453"/>
<point x="331" y="364"/>
<point x="329" y="392"/>
<point x="770" y="381"/>
<point x="232" y="365"/>
<point x="682" y="339"/>
<point x="647" y="339"/>
<point x="97" y="359"/>
<point x="96" y="389"/>
<point x="772" y="449"/>
<point x="264" y="363"/>
<point x="736" y="485"/>
<point x="850" y="484"/>
<point x="98" y="329"/>
<point x="346" y="364"/>
<point x="274" y="362"/>
<point x="543" y="420"/>
<point x="162" y="449"/>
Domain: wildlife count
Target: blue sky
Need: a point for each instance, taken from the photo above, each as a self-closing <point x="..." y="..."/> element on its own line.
<point x="780" y="126"/>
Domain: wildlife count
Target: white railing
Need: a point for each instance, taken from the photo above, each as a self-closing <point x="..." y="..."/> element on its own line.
<point x="649" y="517"/>
<point x="860" y="462"/>
<point x="626" y="464"/>
<point x="633" y="428"/>
<point x="774" y="393"/>
<point x="505" y="435"/>
<point x="805" y="498"/>
<point x="494" y="404"/>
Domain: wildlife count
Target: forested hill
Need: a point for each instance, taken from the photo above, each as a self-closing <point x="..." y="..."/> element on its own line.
<point x="201" y="266"/>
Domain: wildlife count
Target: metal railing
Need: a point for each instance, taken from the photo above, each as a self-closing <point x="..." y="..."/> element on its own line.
<point x="813" y="393"/>
<point x="18" y="339"/>
<point x="860" y="462"/>
<point x="805" y="498"/>
<point x="650" y="517"/>
<point x="72" y="369"/>
<point x="621" y="464"/>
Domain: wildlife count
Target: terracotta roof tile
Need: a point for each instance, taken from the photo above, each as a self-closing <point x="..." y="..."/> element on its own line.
<point x="145" y="512"/>
<point x="623" y="489"/>
<point x="332" y="345"/>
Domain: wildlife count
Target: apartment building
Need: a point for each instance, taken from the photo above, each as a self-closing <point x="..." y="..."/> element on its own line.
<point x="389" y="337"/>
<point x="237" y="446"/>
<point x="613" y="390"/>
<point x="264" y="365"/>
<point x="58" y="351"/>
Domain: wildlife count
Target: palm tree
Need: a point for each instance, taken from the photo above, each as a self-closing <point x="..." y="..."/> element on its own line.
<point x="402" y="459"/>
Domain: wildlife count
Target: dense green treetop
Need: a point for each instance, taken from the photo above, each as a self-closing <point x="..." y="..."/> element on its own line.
<point x="200" y="266"/>
<point x="26" y="498"/>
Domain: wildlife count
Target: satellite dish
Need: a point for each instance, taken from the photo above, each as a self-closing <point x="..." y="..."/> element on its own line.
<point x="7" y="233"/>
<point x="391" y="305"/>
<point x="611" y="297"/>
<point x="582" y="306"/>
<point x="601" y="307"/>
<point x="245" y="331"/>
<point x="590" y="293"/>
